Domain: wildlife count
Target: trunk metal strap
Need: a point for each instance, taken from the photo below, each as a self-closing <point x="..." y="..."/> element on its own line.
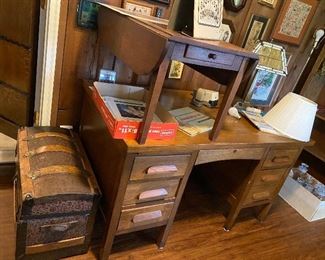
<point x="50" y="148"/>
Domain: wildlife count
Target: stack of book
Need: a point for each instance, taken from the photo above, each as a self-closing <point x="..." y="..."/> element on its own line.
<point x="192" y="122"/>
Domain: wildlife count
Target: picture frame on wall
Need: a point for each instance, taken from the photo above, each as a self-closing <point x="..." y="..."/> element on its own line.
<point x="293" y="21"/>
<point x="87" y="14"/>
<point x="262" y="88"/>
<point x="139" y="7"/>
<point x="176" y="70"/>
<point x="255" y="31"/>
<point x="269" y="3"/>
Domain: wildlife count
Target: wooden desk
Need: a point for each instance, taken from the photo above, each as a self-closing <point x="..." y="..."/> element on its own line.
<point x="139" y="193"/>
<point x="148" y="49"/>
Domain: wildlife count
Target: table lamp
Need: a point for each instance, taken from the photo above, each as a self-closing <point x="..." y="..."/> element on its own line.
<point x="293" y="116"/>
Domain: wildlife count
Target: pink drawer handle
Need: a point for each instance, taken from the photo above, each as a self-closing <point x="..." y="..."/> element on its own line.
<point x="150" y="194"/>
<point x="147" y="216"/>
<point x="162" y="169"/>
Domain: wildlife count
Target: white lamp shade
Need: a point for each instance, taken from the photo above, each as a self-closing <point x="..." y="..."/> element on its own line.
<point x="293" y="116"/>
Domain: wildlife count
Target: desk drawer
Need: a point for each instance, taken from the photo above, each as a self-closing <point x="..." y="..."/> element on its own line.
<point x="144" y="216"/>
<point x="260" y="193"/>
<point x="150" y="191"/>
<point x="206" y="156"/>
<point x="277" y="158"/>
<point x="151" y="167"/>
<point x="269" y="177"/>
<point x="211" y="56"/>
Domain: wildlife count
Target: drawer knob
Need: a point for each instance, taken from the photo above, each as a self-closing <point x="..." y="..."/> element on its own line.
<point x="162" y="169"/>
<point x="147" y="216"/>
<point x="280" y="159"/>
<point x="212" y="56"/>
<point x="151" y="194"/>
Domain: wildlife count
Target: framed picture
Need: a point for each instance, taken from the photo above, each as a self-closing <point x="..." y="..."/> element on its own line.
<point x="255" y="31"/>
<point x="176" y="70"/>
<point x="262" y="88"/>
<point x="139" y="7"/>
<point x="293" y="20"/>
<point x="87" y="14"/>
<point x="270" y="3"/>
<point x="210" y="12"/>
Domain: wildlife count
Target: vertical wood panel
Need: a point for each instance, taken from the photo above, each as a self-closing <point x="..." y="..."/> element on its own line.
<point x="17" y="18"/>
<point x="15" y="66"/>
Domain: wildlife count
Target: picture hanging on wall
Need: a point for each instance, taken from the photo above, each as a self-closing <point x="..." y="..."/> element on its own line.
<point x="176" y="69"/>
<point x="87" y="14"/>
<point x="138" y="7"/>
<point x="210" y="12"/>
<point x="255" y="31"/>
<point x="270" y="3"/>
<point x="293" y="21"/>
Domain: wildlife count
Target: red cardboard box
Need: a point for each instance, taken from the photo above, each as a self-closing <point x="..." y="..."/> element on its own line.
<point x="127" y="129"/>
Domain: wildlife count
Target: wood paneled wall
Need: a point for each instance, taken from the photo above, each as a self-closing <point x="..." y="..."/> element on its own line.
<point x="81" y="59"/>
<point x="18" y="52"/>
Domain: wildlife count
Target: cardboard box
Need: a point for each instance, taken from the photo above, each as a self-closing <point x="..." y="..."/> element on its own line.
<point x="126" y="129"/>
<point x="303" y="201"/>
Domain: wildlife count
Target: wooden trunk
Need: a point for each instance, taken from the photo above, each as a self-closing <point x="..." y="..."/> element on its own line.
<point x="56" y="195"/>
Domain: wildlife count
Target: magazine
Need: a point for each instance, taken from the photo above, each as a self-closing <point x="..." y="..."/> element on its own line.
<point x="127" y="109"/>
<point x="258" y="121"/>
<point x="191" y="121"/>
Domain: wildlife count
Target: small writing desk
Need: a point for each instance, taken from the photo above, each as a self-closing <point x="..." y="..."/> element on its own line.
<point x="142" y="185"/>
<point x="148" y="49"/>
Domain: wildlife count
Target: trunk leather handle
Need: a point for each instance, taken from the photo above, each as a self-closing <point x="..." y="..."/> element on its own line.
<point x="55" y="170"/>
<point x="150" y="194"/>
<point x="50" y="148"/>
<point x="61" y="227"/>
<point x="280" y="159"/>
<point x="147" y="216"/>
<point x="162" y="169"/>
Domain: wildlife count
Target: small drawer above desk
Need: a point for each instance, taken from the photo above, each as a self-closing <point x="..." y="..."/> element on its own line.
<point x="207" y="55"/>
<point x="279" y="158"/>
<point x="160" y="166"/>
<point x="206" y="156"/>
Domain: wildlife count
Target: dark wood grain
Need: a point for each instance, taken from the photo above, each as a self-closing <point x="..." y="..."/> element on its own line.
<point x="16" y="66"/>
<point x="14" y="105"/>
<point x="19" y="16"/>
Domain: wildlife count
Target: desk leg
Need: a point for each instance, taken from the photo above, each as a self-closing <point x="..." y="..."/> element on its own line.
<point x="162" y="238"/>
<point x="233" y="214"/>
<point x="264" y="211"/>
<point x="227" y="100"/>
<point x="154" y="94"/>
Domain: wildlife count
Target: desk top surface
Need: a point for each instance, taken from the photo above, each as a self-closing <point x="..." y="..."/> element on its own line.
<point x="235" y="133"/>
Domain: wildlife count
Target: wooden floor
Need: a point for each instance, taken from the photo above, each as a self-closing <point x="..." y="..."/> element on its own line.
<point x="198" y="233"/>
